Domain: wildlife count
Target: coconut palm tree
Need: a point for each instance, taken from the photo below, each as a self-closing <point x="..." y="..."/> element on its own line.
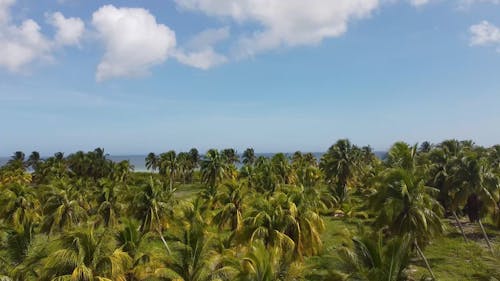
<point x="231" y="211"/>
<point x="371" y="258"/>
<point x="108" y="205"/>
<point x="64" y="208"/>
<point x="282" y="168"/>
<point x="406" y="206"/>
<point x="169" y="167"/>
<point x="249" y="157"/>
<point x="16" y="161"/>
<point x="34" y="160"/>
<point x="192" y="249"/>
<point x="262" y="263"/>
<point x="153" y="205"/>
<point x="477" y="188"/>
<point x="339" y="165"/>
<point x="214" y="168"/>
<point x="152" y="162"/>
<point x="19" y="204"/>
<point x="86" y="254"/>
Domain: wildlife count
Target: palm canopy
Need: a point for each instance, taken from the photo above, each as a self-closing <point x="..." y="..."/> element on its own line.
<point x="214" y="168"/>
<point x="373" y="259"/>
<point x="86" y="255"/>
<point x="406" y="205"/>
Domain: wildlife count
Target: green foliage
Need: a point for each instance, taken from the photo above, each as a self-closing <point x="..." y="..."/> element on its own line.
<point x="350" y="216"/>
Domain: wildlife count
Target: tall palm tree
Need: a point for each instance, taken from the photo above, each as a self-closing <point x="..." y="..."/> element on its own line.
<point x="477" y="188"/>
<point x="249" y="157"/>
<point x="153" y="206"/>
<point x="339" y="165"/>
<point x="34" y="160"/>
<point x="169" y="167"/>
<point x="406" y="206"/>
<point x="282" y="168"/>
<point x="108" y="205"/>
<point x="86" y="254"/>
<point x="152" y="162"/>
<point x="192" y="249"/>
<point x="16" y="161"/>
<point x="214" y="168"/>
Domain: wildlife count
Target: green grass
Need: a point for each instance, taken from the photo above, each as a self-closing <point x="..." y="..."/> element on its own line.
<point x="450" y="257"/>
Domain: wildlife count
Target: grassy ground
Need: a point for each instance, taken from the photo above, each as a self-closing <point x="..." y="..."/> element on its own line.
<point x="450" y="257"/>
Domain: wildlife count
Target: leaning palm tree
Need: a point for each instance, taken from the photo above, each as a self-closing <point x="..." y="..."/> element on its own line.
<point x="84" y="255"/>
<point x="406" y="206"/>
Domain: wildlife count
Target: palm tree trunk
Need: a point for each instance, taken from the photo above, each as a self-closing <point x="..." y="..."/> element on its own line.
<point x="460" y="226"/>
<point x="425" y="260"/>
<point x="160" y="233"/>
<point x="485" y="236"/>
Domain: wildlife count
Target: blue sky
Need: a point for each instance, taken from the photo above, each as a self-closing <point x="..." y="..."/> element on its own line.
<point x="140" y="76"/>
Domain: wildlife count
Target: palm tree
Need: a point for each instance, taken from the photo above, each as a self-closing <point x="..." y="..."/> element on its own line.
<point x="153" y="205"/>
<point x="373" y="259"/>
<point x="477" y="188"/>
<point x="152" y="162"/>
<point x="108" y="204"/>
<point x="84" y="255"/>
<point x="263" y="176"/>
<point x="169" y="166"/>
<point x="19" y="205"/>
<point x="192" y="246"/>
<point x="282" y="168"/>
<point x="64" y="208"/>
<point x="214" y="168"/>
<point x="249" y="157"/>
<point x="339" y="165"/>
<point x="17" y="160"/>
<point x="34" y="160"/>
<point x="231" y="211"/>
<point x="406" y="206"/>
<point x="268" y="264"/>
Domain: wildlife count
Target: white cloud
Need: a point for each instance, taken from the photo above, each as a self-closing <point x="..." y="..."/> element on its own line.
<point x="418" y="3"/>
<point x="25" y="43"/>
<point x="69" y="30"/>
<point x="134" y="41"/>
<point x="484" y="33"/>
<point x="203" y="59"/>
<point x="285" y="23"/>
<point x="199" y="51"/>
<point x="4" y="10"/>
<point x="21" y="45"/>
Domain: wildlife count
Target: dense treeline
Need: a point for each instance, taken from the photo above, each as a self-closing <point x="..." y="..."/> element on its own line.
<point x="83" y="217"/>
